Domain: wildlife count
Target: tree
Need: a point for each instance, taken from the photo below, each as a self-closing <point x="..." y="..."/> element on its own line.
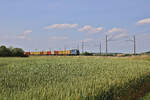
<point x="11" y="52"/>
<point x="5" y="52"/>
<point x="18" y="52"/>
<point x="87" y="54"/>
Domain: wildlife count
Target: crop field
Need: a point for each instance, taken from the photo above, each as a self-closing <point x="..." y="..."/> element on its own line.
<point x="147" y="97"/>
<point x="72" y="78"/>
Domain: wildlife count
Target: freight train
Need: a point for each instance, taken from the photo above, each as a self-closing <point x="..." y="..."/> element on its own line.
<point x="65" y="52"/>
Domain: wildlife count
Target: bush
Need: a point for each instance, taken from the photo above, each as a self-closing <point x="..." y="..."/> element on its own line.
<point x="109" y="54"/>
<point x="87" y="54"/>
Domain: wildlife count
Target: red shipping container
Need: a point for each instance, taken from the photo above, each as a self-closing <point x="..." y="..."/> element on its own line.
<point x="41" y="53"/>
<point x="55" y="52"/>
<point x="27" y="53"/>
<point x="48" y="52"/>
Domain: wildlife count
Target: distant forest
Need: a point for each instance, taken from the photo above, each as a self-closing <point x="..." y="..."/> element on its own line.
<point x="11" y="52"/>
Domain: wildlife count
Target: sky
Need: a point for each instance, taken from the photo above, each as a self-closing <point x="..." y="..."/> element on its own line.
<point x="36" y="25"/>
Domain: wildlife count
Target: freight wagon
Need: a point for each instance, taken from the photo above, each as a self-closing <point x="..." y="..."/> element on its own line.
<point x="66" y="52"/>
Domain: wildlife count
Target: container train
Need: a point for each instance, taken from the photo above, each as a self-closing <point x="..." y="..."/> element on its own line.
<point x="65" y="52"/>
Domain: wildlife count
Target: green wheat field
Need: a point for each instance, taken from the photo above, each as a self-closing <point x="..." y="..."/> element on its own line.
<point x="71" y="78"/>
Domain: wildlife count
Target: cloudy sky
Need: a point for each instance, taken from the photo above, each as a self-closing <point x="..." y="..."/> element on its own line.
<point x="60" y="24"/>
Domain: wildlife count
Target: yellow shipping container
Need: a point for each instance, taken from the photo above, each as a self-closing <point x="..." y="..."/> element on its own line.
<point x="32" y="53"/>
<point x="45" y="53"/>
<point x="68" y="52"/>
<point x="60" y="52"/>
<point x="37" y="53"/>
<point x="64" y="52"/>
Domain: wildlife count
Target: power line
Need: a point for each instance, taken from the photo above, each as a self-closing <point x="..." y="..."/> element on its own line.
<point x="100" y="48"/>
<point x="82" y="46"/>
<point x="134" y="43"/>
<point x="77" y="46"/>
<point x="134" y="39"/>
<point x="106" y="45"/>
<point x="64" y="47"/>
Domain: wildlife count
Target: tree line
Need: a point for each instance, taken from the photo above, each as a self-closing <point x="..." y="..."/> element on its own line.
<point x="11" y="52"/>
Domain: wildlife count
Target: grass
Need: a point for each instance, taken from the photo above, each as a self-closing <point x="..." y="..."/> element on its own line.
<point x="147" y="97"/>
<point x="71" y="78"/>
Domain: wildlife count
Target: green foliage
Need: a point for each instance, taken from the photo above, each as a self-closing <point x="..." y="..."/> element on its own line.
<point x="147" y="97"/>
<point x="11" y="52"/>
<point x="18" y="52"/>
<point x="109" y="54"/>
<point x="148" y="53"/>
<point x="127" y="55"/>
<point x="4" y="52"/>
<point x="70" y="78"/>
<point x="87" y="54"/>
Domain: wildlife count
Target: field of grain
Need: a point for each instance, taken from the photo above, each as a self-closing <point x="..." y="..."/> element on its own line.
<point x="71" y="78"/>
<point x="147" y="97"/>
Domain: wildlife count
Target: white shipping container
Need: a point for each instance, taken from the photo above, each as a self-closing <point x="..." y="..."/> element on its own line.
<point x="52" y="52"/>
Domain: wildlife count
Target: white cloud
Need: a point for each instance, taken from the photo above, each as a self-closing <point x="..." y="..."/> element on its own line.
<point x="116" y="30"/>
<point x="120" y="36"/>
<point x="59" y="38"/>
<point x="27" y="31"/>
<point x="116" y="33"/>
<point x="61" y="26"/>
<point x="90" y="29"/>
<point x="143" y="21"/>
<point x="24" y="35"/>
<point x="87" y="40"/>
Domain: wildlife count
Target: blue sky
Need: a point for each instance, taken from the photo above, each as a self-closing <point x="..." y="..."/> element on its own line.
<point x="55" y="24"/>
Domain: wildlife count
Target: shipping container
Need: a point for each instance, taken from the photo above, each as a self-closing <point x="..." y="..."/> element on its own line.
<point x="32" y="53"/>
<point x="52" y="53"/>
<point x="38" y="53"/>
<point x="63" y="52"/>
<point x="35" y="53"/>
<point x="68" y="52"/>
<point x="41" y="53"/>
<point x="48" y="52"/>
<point x="60" y="52"/>
<point x="45" y="53"/>
<point x="55" y="52"/>
<point x="27" y="53"/>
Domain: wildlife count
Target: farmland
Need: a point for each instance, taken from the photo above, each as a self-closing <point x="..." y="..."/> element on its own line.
<point x="72" y="78"/>
<point x="147" y="97"/>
